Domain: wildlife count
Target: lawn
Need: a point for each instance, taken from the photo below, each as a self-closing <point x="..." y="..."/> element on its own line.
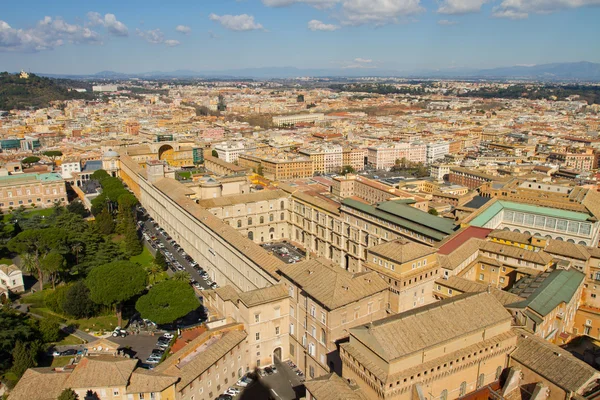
<point x="144" y="259"/>
<point x="100" y="323"/>
<point x="58" y="362"/>
<point x="69" y="340"/>
<point x="42" y="212"/>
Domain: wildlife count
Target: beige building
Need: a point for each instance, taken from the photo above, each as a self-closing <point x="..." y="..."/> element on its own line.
<point x="440" y="351"/>
<point x="265" y="315"/>
<point x="325" y="302"/>
<point x="410" y="270"/>
<point x="11" y="280"/>
<point x="41" y="190"/>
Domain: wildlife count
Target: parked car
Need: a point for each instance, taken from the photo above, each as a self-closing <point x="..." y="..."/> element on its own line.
<point x="69" y="352"/>
<point x="232" y="391"/>
<point x="168" y="335"/>
<point x="269" y="370"/>
<point x="245" y="381"/>
<point x="214" y="285"/>
<point x="225" y="397"/>
<point x="119" y="332"/>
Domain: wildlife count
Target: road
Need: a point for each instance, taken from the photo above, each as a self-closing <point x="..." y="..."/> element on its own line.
<point x="159" y="236"/>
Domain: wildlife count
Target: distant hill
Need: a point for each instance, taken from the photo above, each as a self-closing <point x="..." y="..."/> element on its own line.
<point x="558" y="71"/>
<point x="35" y="91"/>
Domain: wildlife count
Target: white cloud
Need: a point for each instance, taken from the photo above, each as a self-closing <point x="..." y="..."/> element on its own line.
<point x="47" y="34"/>
<point x="519" y="9"/>
<point x="378" y="12"/>
<point x="156" y="36"/>
<point x="183" y="29"/>
<point x="460" y="6"/>
<point x="172" y="43"/>
<point x="446" y="22"/>
<point x="363" y="60"/>
<point x="316" y="25"/>
<point x="357" y="12"/>
<point x="242" y="22"/>
<point x="110" y="22"/>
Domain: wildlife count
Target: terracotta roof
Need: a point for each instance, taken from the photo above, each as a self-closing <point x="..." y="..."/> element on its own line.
<point x="263" y="195"/>
<point x="199" y="355"/>
<point x="263" y="295"/>
<point x="40" y="384"/>
<point x="512" y="236"/>
<point x="416" y="330"/>
<point x="467" y="286"/>
<point x="331" y="285"/>
<point x="460" y="254"/>
<point x="553" y="363"/>
<point x="536" y="257"/>
<point x="142" y="381"/>
<point x="453" y="242"/>
<point x="566" y="249"/>
<point x="402" y="250"/>
<point x="333" y="387"/>
<point x="101" y="371"/>
<point x="227" y="293"/>
<point x="315" y="201"/>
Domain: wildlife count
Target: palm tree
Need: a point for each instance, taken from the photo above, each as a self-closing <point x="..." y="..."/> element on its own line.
<point x="29" y="265"/>
<point x="77" y="248"/>
<point x="154" y="271"/>
<point x="182" y="276"/>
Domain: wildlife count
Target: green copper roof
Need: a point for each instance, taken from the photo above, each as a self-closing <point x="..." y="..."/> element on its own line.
<point x="560" y="286"/>
<point x="499" y="205"/>
<point x="398" y="213"/>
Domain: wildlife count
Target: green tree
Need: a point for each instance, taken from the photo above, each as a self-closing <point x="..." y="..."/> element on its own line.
<point x="30" y="160"/>
<point x="14" y="327"/>
<point x="433" y="211"/>
<point x="78" y="303"/>
<point x="55" y="299"/>
<point x="160" y="260"/>
<point x="77" y="207"/>
<point x="24" y="356"/>
<point x="53" y="263"/>
<point x="154" y="271"/>
<point x="112" y="284"/>
<point x="50" y="330"/>
<point x="181" y="276"/>
<point x="125" y="214"/>
<point x="99" y="175"/>
<point x="68" y="394"/>
<point x="348" y="169"/>
<point x="167" y="301"/>
<point x="105" y="222"/>
<point x="214" y="153"/>
<point x="53" y="155"/>
<point x="133" y="246"/>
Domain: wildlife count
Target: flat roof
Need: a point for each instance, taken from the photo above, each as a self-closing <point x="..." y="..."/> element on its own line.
<point x="499" y="205"/>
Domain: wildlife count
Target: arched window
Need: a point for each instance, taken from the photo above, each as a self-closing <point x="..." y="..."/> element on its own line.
<point x="271" y="230"/>
<point x="570" y="241"/>
<point x="480" y="380"/>
<point x="239" y="223"/>
<point x="251" y="235"/>
<point x="271" y="218"/>
<point x="463" y="388"/>
<point x="282" y="216"/>
<point x="282" y="205"/>
<point x="262" y="220"/>
<point x="249" y="221"/>
<point x="323" y="336"/>
<point x="444" y="395"/>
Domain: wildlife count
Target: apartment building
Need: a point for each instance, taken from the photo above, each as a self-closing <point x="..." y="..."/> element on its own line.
<point x="354" y="157"/>
<point x="583" y="162"/>
<point x="327" y="158"/>
<point x="410" y="270"/>
<point x="230" y="151"/>
<point x="446" y="349"/>
<point x="384" y="156"/>
<point x="469" y="177"/>
<point x="70" y="166"/>
<point x="279" y="167"/>
<point x="291" y="120"/>
<point x="436" y="151"/>
<point x="41" y="190"/>
<point x="325" y="302"/>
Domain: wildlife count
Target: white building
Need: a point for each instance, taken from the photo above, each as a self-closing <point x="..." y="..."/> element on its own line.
<point x="230" y="151"/>
<point x="436" y="151"/>
<point x="68" y="167"/>
<point x="283" y="120"/>
<point x="384" y="156"/>
<point x="105" y="88"/>
<point x="11" y="280"/>
<point x="439" y="171"/>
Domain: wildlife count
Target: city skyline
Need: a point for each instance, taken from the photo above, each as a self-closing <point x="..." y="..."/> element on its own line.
<point x="400" y="35"/>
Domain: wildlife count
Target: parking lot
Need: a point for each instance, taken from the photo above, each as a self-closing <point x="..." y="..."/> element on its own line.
<point x="140" y="346"/>
<point x="159" y="240"/>
<point x="285" y="252"/>
<point x="284" y="384"/>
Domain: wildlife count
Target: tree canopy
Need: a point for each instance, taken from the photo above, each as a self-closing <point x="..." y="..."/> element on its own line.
<point x="30" y="160"/>
<point x="113" y="283"/>
<point x="167" y="301"/>
<point x="77" y="302"/>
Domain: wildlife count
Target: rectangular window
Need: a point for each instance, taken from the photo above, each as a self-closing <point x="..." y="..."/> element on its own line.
<point x="277" y="330"/>
<point x="256" y="317"/>
<point x="257" y="336"/>
<point x="481" y="277"/>
<point x="313" y="311"/>
<point x="292" y="330"/>
<point x="323" y="320"/>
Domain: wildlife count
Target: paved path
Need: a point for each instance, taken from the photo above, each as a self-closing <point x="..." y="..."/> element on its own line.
<point x="86" y="337"/>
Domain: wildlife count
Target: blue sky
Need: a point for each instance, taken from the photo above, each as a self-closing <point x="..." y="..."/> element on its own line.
<point x="74" y="36"/>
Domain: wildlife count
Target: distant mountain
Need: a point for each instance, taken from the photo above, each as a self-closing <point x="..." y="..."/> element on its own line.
<point x="579" y="71"/>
